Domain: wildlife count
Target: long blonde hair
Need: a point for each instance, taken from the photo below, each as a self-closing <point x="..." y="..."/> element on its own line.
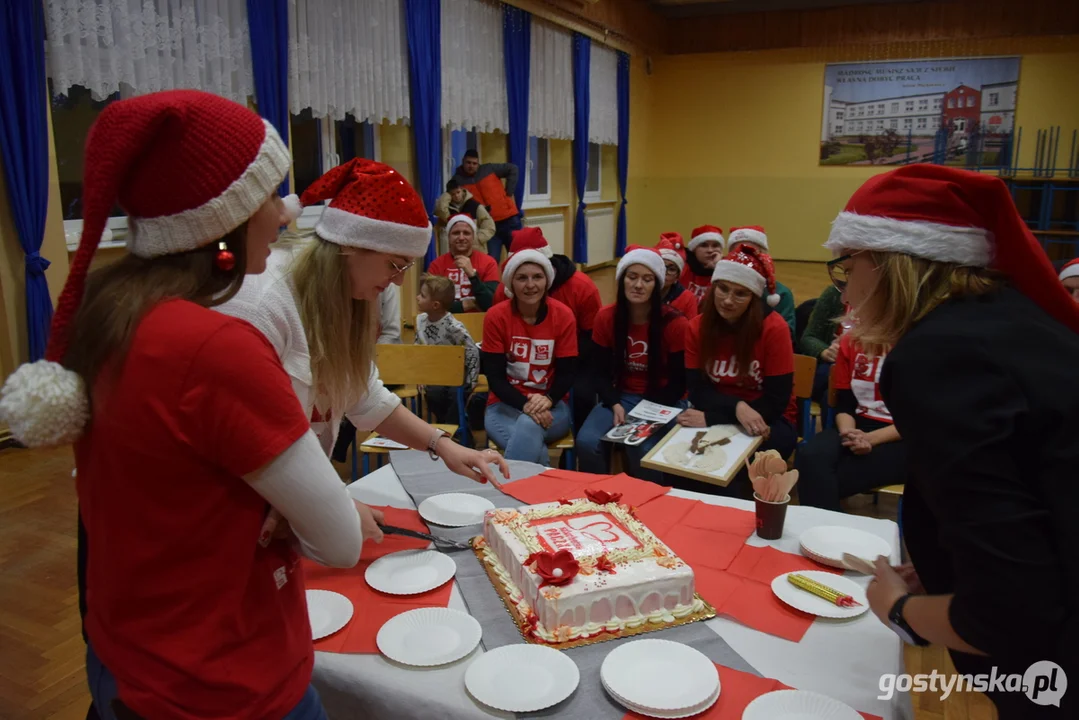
<point x="909" y="288"/>
<point x="340" y="330"/>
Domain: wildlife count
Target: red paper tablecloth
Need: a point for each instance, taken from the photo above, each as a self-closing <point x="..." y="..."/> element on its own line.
<point x="371" y="609"/>
<point x="737" y="690"/>
<point x="554" y="485"/>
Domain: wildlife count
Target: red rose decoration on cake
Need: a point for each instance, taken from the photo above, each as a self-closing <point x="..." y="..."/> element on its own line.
<point x="604" y="564"/>
<point x="602" y="497"/>
<point x="556" y="568"/>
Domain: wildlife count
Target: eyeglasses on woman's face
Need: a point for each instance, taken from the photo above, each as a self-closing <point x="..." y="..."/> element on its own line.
<point x="839" y="270"/>
<point x="398" y="270"/>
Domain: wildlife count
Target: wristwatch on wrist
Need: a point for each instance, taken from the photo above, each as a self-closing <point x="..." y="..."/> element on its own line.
<point x="900" y="626"/>
<point x="437" y="435"/>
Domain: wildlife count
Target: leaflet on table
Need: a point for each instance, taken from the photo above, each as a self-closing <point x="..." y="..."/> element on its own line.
<point x="641" y="423"/>
<point x="384" y="442"/>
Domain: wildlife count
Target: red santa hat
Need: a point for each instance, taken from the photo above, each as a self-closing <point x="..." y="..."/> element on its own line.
<point x="748" y="234"/>
<point x="703" y="234"/>
<point x="952" y="216"/>
<point x="1070" y="270"/>
<point x="637" y="255"/>
<point x="752" y="268"/>
<point x="530" y="238"/>
<point x="671" y="247"/>
<point x="372" y="207"/>
<point x="221" y="161"/>
<point x="461" y="218"/>
<point x="519" y="258"/>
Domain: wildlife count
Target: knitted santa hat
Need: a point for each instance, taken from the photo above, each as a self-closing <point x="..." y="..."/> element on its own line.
<point x="749" y="267"/>
<point x="1070" y="270"/>
<point x="671" y="247"/>
<point x="372" y="207"/>
<point x="637" y="255"/>
<point x="461" y="218"/>
<point x="530" y="238"/>
<point x="703" y="234"/>
<point x="519" y="258"/>
<point x="221" y="161"/>
<point x="748" y="234"/>
<point x="953" y="216"/>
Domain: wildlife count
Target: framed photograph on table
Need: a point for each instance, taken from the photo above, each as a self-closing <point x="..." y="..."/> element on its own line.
<point x="712" y="454"/>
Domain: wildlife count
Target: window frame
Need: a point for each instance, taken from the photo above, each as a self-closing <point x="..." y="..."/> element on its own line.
<point x="449" y="163"/>
<point x="592" y="196"/>
<point x="531" y="199"/>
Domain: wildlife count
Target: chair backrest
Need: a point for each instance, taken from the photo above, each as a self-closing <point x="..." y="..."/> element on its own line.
<point x="421" y="364"/>
<point x="831" y="388"/>
<point x="805" y="369"/>
<point x="473" y="322"/>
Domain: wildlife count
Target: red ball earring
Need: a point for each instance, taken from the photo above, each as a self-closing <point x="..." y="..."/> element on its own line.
<point x="225" y="259"/>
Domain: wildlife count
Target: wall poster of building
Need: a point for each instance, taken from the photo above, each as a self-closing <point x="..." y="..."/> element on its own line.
<point x="890" y="113"/>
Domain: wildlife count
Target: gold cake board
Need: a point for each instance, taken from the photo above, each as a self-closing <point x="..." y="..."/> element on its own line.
<point x="706" y="613"/>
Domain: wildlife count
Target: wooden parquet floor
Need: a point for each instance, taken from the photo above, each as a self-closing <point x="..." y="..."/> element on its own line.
<point x="42" y="672"/>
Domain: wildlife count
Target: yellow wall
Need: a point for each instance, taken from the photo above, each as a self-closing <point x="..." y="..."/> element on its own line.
<point x="733" y="139"/>
<point x="494" y="148"/>
<point x="397" y="150"/>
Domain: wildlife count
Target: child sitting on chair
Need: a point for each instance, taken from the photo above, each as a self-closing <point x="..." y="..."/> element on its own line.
<point x="436" y="326"/>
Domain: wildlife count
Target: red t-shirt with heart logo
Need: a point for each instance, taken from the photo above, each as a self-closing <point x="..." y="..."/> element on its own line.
<point x="635" y="374"/>
<point x="696" y="284"/>
<point x="859" y="373"/>
<point x="772" y="355"/>
<point x="530" y="349"/>
<point x="484" y="265"/>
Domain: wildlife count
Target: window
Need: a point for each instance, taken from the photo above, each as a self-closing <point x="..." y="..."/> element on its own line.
<point x="970" y="100"/>
<point x="923" y="123"/>
<point x="893" y="124"/>
<point x="923" y="104"/>
<point x="319" y="144"/>
<point x="839" y="115"/>
<point x="538" y="177"/>
<point x="880" y="124"/>
<point x="895" y="107"/>
<point x="861" y="111"/>
<point x="594" y="184"/>
<point x="880" y="109"/>
<point x="908" y="123"/>
<point x="908" y="106"/>
<point x="994" y="99"/>
<point x="839" y="128"/>
<point x="951" y="102"/>
<point x="936" y="103"/>
<point x="454" y="145"/>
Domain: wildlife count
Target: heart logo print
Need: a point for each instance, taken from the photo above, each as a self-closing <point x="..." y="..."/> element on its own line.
<point x="603" y="532"/>
<point x="538" y="375"/>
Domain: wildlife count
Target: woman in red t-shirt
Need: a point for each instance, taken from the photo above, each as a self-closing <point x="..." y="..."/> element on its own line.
<point x="639" y="344"/>
<point x="705" y="250"/>
<point x="185" y="425"/>
<point x="673" y="252"/>
<point x="529" y="355"/>
<point x="863" y="451"/>
<point x="740" y="360"/>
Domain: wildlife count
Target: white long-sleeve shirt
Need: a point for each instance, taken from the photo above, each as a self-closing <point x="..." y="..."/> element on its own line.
<point x="389" y="316"/>
<point x="268" y="301"/>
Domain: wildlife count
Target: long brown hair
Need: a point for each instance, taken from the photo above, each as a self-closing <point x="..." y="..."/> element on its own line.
<point x="120" y="294"/>
<point x="746" y="332"/>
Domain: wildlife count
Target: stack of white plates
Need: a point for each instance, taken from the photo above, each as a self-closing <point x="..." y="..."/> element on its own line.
<point x="827" y="543"/>
<point x="454" y="509"/>
<point x="429" y="636"/>
<point x="798" y="704"/>
<point x="660" y="678"/>
<point x="522" y="678"/>
<point x="410" y="572"/>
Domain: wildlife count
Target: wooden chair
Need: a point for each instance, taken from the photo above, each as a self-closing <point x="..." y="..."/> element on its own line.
<point x="417" y="365"/>
<point x="805" y="370"/>
<point x="473" y="322"/>
<point x="828" y="412"/>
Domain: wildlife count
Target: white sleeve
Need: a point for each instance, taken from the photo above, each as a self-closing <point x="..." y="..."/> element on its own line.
<point x="303" y="486"/>
<point x="375" y="406"/>
<point x="390" y="316"/>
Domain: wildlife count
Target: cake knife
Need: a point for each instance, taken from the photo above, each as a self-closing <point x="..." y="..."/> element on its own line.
<point x="438" y="541"/>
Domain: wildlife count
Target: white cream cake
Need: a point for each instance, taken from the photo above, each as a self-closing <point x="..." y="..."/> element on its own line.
<point x="626" y="577"/>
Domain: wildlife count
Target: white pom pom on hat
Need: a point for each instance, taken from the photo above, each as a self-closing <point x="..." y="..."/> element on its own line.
<point x="45" y="404"/>
<point x="293" y="206"/>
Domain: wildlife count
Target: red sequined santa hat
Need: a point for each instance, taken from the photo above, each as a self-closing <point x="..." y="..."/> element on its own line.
<point x="671" y="247"/>
<point x="528" y="246"/>
<point x="952" y="216"/>
<point x="1070" y="270"/>
<point x="372" y="207"/>
<point x="703" y="234"/>
<point x="752" y="268"/>
<point x="748" y="234"/>
<point x="637" y="255"/>
<point x="188" y="168"/>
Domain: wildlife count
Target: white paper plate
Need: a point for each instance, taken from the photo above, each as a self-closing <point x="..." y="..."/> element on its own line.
<point x="660" y="675"/>
<point x="798" y="704"/>
<point x="455" y="509"/>
<point x="522" y="678"/>
<point x="410" y="572"/>
<point x="673" y="715"/>
<point x="827" y="543"/>
<point x="806" y="601"/>
<point x="429" y="636"/>
<point x="328" y="612"/>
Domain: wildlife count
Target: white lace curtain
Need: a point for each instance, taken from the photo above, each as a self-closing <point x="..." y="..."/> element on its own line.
<point x="473" y="68"/>
<point x="603" y="96"/>
<point x="348" y="56"/>
<point x="550" y="92"/>
<point x="142" y="46"/>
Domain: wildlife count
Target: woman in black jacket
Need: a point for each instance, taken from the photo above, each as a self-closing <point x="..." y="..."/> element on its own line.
<point x="982" y="343"/>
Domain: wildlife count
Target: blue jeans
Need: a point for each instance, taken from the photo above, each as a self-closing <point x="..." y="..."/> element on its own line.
<point x="503" y="237"/>
<point x="519" y="436"/>
<point x="103" y="692"/>
<point x="594" y="455"/>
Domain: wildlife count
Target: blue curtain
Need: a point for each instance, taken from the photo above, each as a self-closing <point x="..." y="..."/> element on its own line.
<point x="623" y="149"/>
<point x="582" y="57"/>
<point x="423" y="22"/>
<point x="24" y="149"/>
<point x="267" y="21"/>
<point x="517" y="54"/>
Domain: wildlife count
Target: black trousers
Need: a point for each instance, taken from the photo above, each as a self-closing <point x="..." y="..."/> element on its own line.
<point x="829" y="472"/>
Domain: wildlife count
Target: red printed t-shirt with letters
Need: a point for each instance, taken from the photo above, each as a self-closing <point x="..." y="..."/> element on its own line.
<point x="530" y="349"/>
<point x="635" y="373"/>
<point x="859" y="373"/>
<point x="772" y="355"/>
<point x="484" y="265"/>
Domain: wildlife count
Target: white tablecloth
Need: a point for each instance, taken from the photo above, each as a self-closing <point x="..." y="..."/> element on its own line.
<point x="842" y="659"/>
